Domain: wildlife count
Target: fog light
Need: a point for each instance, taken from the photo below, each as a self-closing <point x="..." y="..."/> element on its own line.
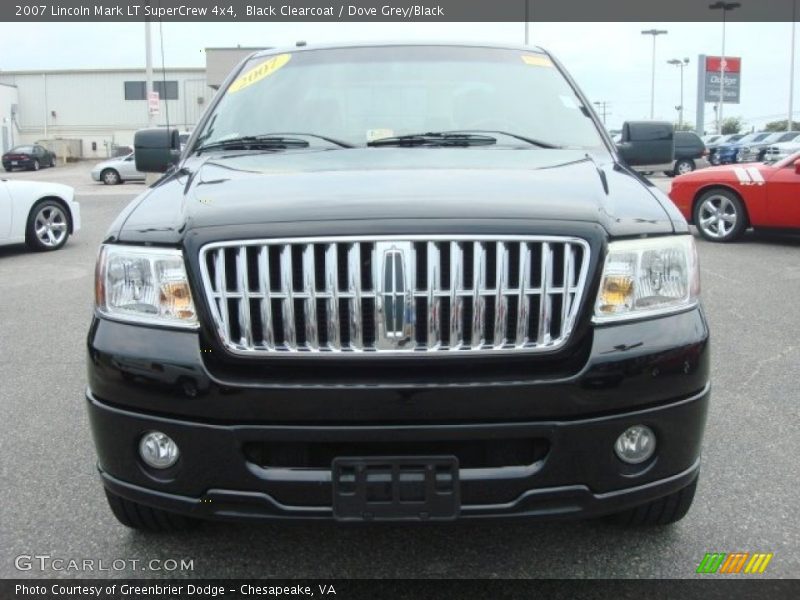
<point x="158" y="450"/>
<point x="636" y="444"/>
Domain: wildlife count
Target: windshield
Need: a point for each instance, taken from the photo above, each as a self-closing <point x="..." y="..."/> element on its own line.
<point x="22" y="150"/>
<point x="359" y="95"/>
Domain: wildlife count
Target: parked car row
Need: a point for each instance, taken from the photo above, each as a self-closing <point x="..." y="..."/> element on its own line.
<point x="752" y="147"/>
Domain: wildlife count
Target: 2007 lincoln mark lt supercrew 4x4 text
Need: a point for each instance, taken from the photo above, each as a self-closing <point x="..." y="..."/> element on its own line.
<point x="398" y="282"/>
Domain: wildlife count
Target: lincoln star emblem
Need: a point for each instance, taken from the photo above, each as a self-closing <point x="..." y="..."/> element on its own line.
<point x="395" y="295"/>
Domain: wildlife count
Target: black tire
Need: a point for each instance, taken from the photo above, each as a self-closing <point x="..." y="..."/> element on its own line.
<point x="53" y="161"/>
<point x="36" y="165"/>
<point x="683" y="166"/>
<point x="669" y="173"/>
<point x="144" y="518"/>
<point x="663" y="511"/>
<point x="728" y="203"/>
<point x="59" y="227"/>
<point x="110" y="177"/>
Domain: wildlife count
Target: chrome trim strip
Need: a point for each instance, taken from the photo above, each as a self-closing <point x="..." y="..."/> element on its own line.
<point x="501" y="296"/>
<point x="287" y="285"/>
<point x="545" y="302"/>
<point x="243" y="287"/>
<point x="265" y="301"/>
<point x="434" y="300"/>
<point x="354" y="291"/>
<point x="456" y="299"/>
<point x="332" y="301"/>
<point x="310" y="301"/>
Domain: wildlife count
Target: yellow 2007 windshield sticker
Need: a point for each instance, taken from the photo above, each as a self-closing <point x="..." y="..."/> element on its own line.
<point x="536" y="60"/>
<point x="258" y="73"/>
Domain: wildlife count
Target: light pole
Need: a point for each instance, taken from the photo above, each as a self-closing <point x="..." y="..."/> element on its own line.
<point x="681" y="64"/>
<point x="790" y="120"/>
<point x="603" y="106"/>
<point x="655" y="33"/>
<point x="724" y="7"/>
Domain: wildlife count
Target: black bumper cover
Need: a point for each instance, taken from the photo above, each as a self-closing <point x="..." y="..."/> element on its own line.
<point x="653" y="373"/>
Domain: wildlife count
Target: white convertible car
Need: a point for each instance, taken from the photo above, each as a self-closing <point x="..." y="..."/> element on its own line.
<point x="40" y="214"/>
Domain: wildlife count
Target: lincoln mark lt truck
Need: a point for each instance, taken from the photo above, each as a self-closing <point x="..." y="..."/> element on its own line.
<point x="398" y="282"/>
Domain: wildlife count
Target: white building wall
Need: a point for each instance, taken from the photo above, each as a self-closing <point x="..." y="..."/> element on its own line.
<point x="91" y="105"/>
<point x="8" y="134"/>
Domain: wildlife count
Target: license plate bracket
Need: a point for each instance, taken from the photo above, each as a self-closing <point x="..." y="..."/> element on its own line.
<point x="390" y="488"/>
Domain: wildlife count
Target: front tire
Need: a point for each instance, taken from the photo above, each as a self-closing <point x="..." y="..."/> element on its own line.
<point x="662" y="511"/>
<point x="683" y="166"/>
<point x="110" y="177"/>
<point x="720" y="216"/>
<point x="144" y="518"/>
<point x="48" y="226"/>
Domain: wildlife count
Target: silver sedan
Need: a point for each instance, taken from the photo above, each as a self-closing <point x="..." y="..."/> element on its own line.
<point x="117" y="170"/>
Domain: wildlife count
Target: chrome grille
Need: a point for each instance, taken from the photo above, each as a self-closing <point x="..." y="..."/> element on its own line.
<point x="395" y="294"/>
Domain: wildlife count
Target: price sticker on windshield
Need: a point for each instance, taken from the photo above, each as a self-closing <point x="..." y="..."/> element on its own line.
<point x="536" y="60"/>
<point x="260" y="72"/>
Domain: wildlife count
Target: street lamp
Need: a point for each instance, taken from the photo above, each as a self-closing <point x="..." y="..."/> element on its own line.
<point x="681" y="64"/>
<point x="603" y="106"/>
<point x="790" y="120"/>
<point x="655" y="33"/>
<point x="724" y="7"/>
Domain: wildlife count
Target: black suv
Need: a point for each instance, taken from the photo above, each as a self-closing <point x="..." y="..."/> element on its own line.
<point x="689" y="149"/>
<point x="398" y="282"/>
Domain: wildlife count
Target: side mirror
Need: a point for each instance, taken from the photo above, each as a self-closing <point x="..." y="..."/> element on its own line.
<point x="647" y="143"/>
<point x="797" y="166"/>
<point x="155" y="150"/>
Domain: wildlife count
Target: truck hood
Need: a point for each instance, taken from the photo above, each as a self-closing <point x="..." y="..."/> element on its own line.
<point x="371" y="187"/>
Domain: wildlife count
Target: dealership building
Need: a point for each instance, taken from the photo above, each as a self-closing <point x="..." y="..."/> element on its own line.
<point x="90" y="113"/>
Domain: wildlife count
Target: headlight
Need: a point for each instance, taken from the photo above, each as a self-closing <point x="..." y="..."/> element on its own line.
<point x="648" y="277"/>
<point x="145" y="285"/>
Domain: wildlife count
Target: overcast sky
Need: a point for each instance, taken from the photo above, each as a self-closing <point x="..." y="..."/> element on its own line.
<point x="610" y="61"/>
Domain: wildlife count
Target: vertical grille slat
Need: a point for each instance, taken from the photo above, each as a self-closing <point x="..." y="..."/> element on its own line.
<point x="501" y="296"/>
<point x="222" y="289"/>
<point x="522" y="294"/>
<point x="310" y="302"/>
<point x="287" y="292"/>
<point x="354" y="291"/>
<point x="332" y="301"/>
<point x="243" y="285"/>
<point x="456" y="299"/>
<point x="434" y="300"/>
<point x="478" y="295"/>
<point x="438" y="294"/>
<point x="543" y="335"/>
<point x="265" y="301"/>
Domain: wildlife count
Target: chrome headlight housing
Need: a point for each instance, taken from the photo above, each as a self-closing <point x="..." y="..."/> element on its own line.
<point x="144" y="285"/>
<point x="648" y="277"/>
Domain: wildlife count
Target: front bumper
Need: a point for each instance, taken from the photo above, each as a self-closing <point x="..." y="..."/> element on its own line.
<point x="579" y="476"/>
<point x="651" y="372"/>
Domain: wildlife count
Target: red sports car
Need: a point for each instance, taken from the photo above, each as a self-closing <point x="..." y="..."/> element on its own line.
<point x="724" y="201"/>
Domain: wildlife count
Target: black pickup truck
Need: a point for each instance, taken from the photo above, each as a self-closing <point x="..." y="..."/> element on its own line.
<point x="398" y="282"/>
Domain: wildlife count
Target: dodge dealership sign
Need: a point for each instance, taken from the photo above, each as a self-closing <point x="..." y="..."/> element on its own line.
<point x="732" y="73"/>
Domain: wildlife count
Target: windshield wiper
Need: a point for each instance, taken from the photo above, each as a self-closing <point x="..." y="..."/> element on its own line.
<point x="255" y="142"/>
<point x="324" y="138"/>
<point x="527" y="140"/>
<point x="432" y="138"/>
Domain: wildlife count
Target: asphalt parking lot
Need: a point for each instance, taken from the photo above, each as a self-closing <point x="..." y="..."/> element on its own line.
<point x="51" y="501"/>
